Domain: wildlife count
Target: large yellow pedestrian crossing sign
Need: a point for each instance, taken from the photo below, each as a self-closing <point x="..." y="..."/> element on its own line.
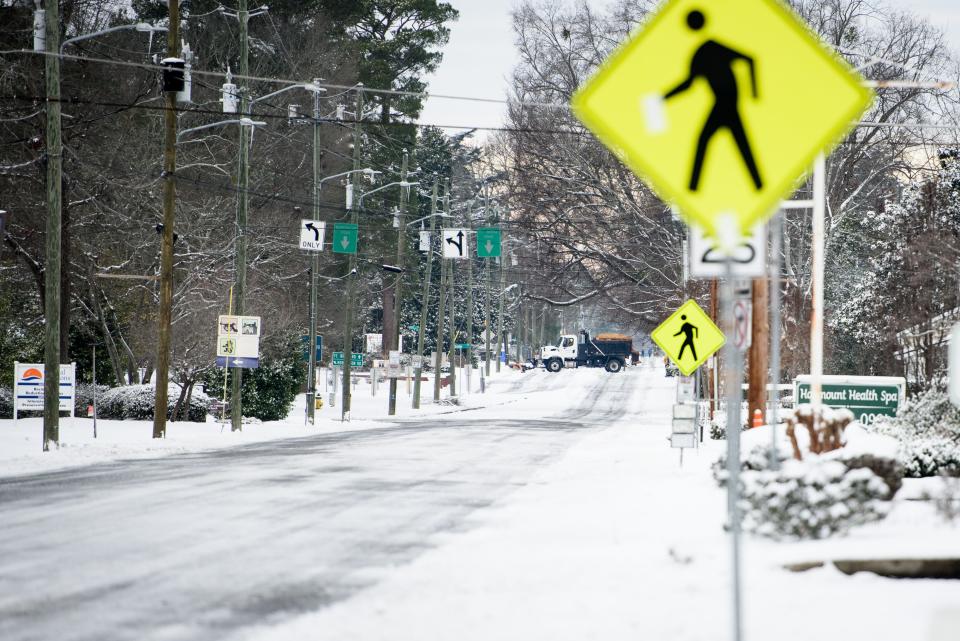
<point x="722" y="106"/>
<point x="688" y="337"/>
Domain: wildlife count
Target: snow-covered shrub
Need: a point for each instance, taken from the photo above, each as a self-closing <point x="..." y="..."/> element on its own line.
<point x="136" y="402"/>
<point x="821" y="495"/>
<point x="928" y="429"/>
<point x="268" y="391"/>
<point x="6" y="402"/>
<point x="811" y="499"/>
<point x="84" y="398"/>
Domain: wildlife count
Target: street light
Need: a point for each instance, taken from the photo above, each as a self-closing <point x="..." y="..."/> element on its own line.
<point x="243" y="122"/>
<point x="141" y="27"/>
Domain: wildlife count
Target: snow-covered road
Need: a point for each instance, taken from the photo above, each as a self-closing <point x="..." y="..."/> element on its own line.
<point x="203" y="545"/>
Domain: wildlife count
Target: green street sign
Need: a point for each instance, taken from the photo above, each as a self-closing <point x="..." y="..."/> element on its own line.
<point x="462" y="345"/>
<point x="488" y="242"/>
<point x="868" y="397"/>
<point x="344" y="238"/>
<point x="356" y="359"/>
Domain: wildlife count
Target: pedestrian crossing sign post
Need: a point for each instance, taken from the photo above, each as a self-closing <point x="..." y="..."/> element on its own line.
<point x="722" y="106"/>
<point x="688" y="337"/>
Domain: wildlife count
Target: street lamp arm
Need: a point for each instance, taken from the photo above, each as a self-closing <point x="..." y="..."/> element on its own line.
<point x="139" y="26"/>
<point x="439" y="214"/>
<point x="246" y="122"/>
<point x="366" y="170"/>
<point x="312" y="88"/>
<point x="382" y="187"/>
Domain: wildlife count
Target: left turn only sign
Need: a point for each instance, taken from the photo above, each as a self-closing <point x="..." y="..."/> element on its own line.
<point x="312" y="233"/>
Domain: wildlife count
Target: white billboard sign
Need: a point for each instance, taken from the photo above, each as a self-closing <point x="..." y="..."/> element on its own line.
<point x="28" y="387"/>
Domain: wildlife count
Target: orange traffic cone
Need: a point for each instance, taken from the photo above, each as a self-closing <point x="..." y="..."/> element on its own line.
<point x="757" y="418"/>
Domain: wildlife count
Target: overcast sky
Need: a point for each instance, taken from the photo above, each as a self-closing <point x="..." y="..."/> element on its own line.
<point x="481" y="55"/>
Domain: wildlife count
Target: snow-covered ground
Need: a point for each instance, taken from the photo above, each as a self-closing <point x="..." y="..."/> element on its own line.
<point x="21" y="442"/>
<point x="591" y="530"/>
<point x="616" y="541"/>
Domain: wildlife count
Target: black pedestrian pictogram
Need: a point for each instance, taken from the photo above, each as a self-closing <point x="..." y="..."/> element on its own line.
<point x="713" y="62"/>
<point x="690" y="332"/>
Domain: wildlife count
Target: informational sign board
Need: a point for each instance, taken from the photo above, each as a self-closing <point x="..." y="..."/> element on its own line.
<point x="953" y="366"/>
<point x="318" y="353"/>
<point x="488" y="242"/>
<point x="356" y="360"/>
<point x="455" y="243"/>
<point x="868" y="397"/>
<point x="28" y="381"/>
<point x="344" y="238"/>
<point x="748" y="258"/>
<point x="688" y="337"/>
<point x="3" y="223"/>
<point x="416" y="361"/>
<point x="373" y="343"/>
<point x="741" y="98"/>
<point x="238" y="341"/>
<point x="424" y="241"/>
<point x="685" y="389"/>
<point x="312" y="233"/>
<point x="684" y="426"/>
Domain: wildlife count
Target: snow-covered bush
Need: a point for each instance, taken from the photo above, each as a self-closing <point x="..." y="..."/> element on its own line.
<point x="136" y="402"/>
<point x="811" y="499"/>
<point x="822" y="494"/>
<point x="928" y="429"/>
<point x="6" y="402"/>
<point x="268" y="391"/>
<point x="84" y="398"/>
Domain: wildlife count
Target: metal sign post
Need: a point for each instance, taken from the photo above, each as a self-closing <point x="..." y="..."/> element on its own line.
<point x="734" y="359"/>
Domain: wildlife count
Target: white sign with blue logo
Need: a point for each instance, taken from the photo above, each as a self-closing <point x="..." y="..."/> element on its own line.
<point x="28" y="387"/>
<point x="238" y="341"/>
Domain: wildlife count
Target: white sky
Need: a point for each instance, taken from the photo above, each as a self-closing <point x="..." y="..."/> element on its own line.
<point x="481" y="55"/>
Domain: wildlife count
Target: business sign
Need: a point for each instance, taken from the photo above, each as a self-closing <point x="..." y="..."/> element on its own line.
<point x="238" y="341"/>
<point x="28" y="387"/>
<point x="868" y="397"/>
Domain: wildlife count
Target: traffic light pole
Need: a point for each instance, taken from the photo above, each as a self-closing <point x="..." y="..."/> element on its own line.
<point x="425" y="300"/>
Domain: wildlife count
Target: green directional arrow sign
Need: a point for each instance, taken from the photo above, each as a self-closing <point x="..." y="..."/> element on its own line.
<point x="488" y="242"/>
<point x="344" y="238"/>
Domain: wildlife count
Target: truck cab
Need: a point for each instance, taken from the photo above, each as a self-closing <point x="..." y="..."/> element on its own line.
<point x="580" y="351"/>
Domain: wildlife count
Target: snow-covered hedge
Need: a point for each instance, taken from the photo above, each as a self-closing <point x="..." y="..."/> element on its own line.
<point x="928" y="429"/>
<point x="84" y="398"/>
<point x="6" y="402"/>
<point x="822" y="495"/>
<point x="136" y="402"/>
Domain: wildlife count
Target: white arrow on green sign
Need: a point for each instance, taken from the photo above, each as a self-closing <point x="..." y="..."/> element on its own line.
<point x="344" y="238"/>
<point x="488" y="242"/>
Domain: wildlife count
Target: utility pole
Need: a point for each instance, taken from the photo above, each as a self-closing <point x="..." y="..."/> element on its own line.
<point x="425" y="299"/>
<point x="352" y="275"/>
<point x="438" y="351"/>
<point x="243" y="179"/>
<point x="314" y="265"/>
<point x="469" y="341"/>
<point x="451" y="281"/>
<point x="759" y="348"/>
<point x="486" y="300"/>
<point x="501" y="341"/>
<point x="54" y="159"/>
<point x="164" y="338"/>
<point x="396" y="342"/>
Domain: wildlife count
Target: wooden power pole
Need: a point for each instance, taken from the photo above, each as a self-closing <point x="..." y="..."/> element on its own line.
<point x="54" y="159"/>
<point x="759" y="349"/>
<point x="162" y="376"/>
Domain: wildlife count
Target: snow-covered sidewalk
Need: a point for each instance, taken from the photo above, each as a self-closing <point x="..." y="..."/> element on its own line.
<point x="616" y="542"/>
<point x="21" y="441"/>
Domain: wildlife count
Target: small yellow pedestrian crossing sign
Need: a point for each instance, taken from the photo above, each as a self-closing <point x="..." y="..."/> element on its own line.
<point x="688" y="337"/>
<point x="722" y="106"/>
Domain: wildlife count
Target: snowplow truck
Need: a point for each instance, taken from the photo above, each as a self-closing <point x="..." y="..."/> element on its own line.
<point x="610" y="351"/>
